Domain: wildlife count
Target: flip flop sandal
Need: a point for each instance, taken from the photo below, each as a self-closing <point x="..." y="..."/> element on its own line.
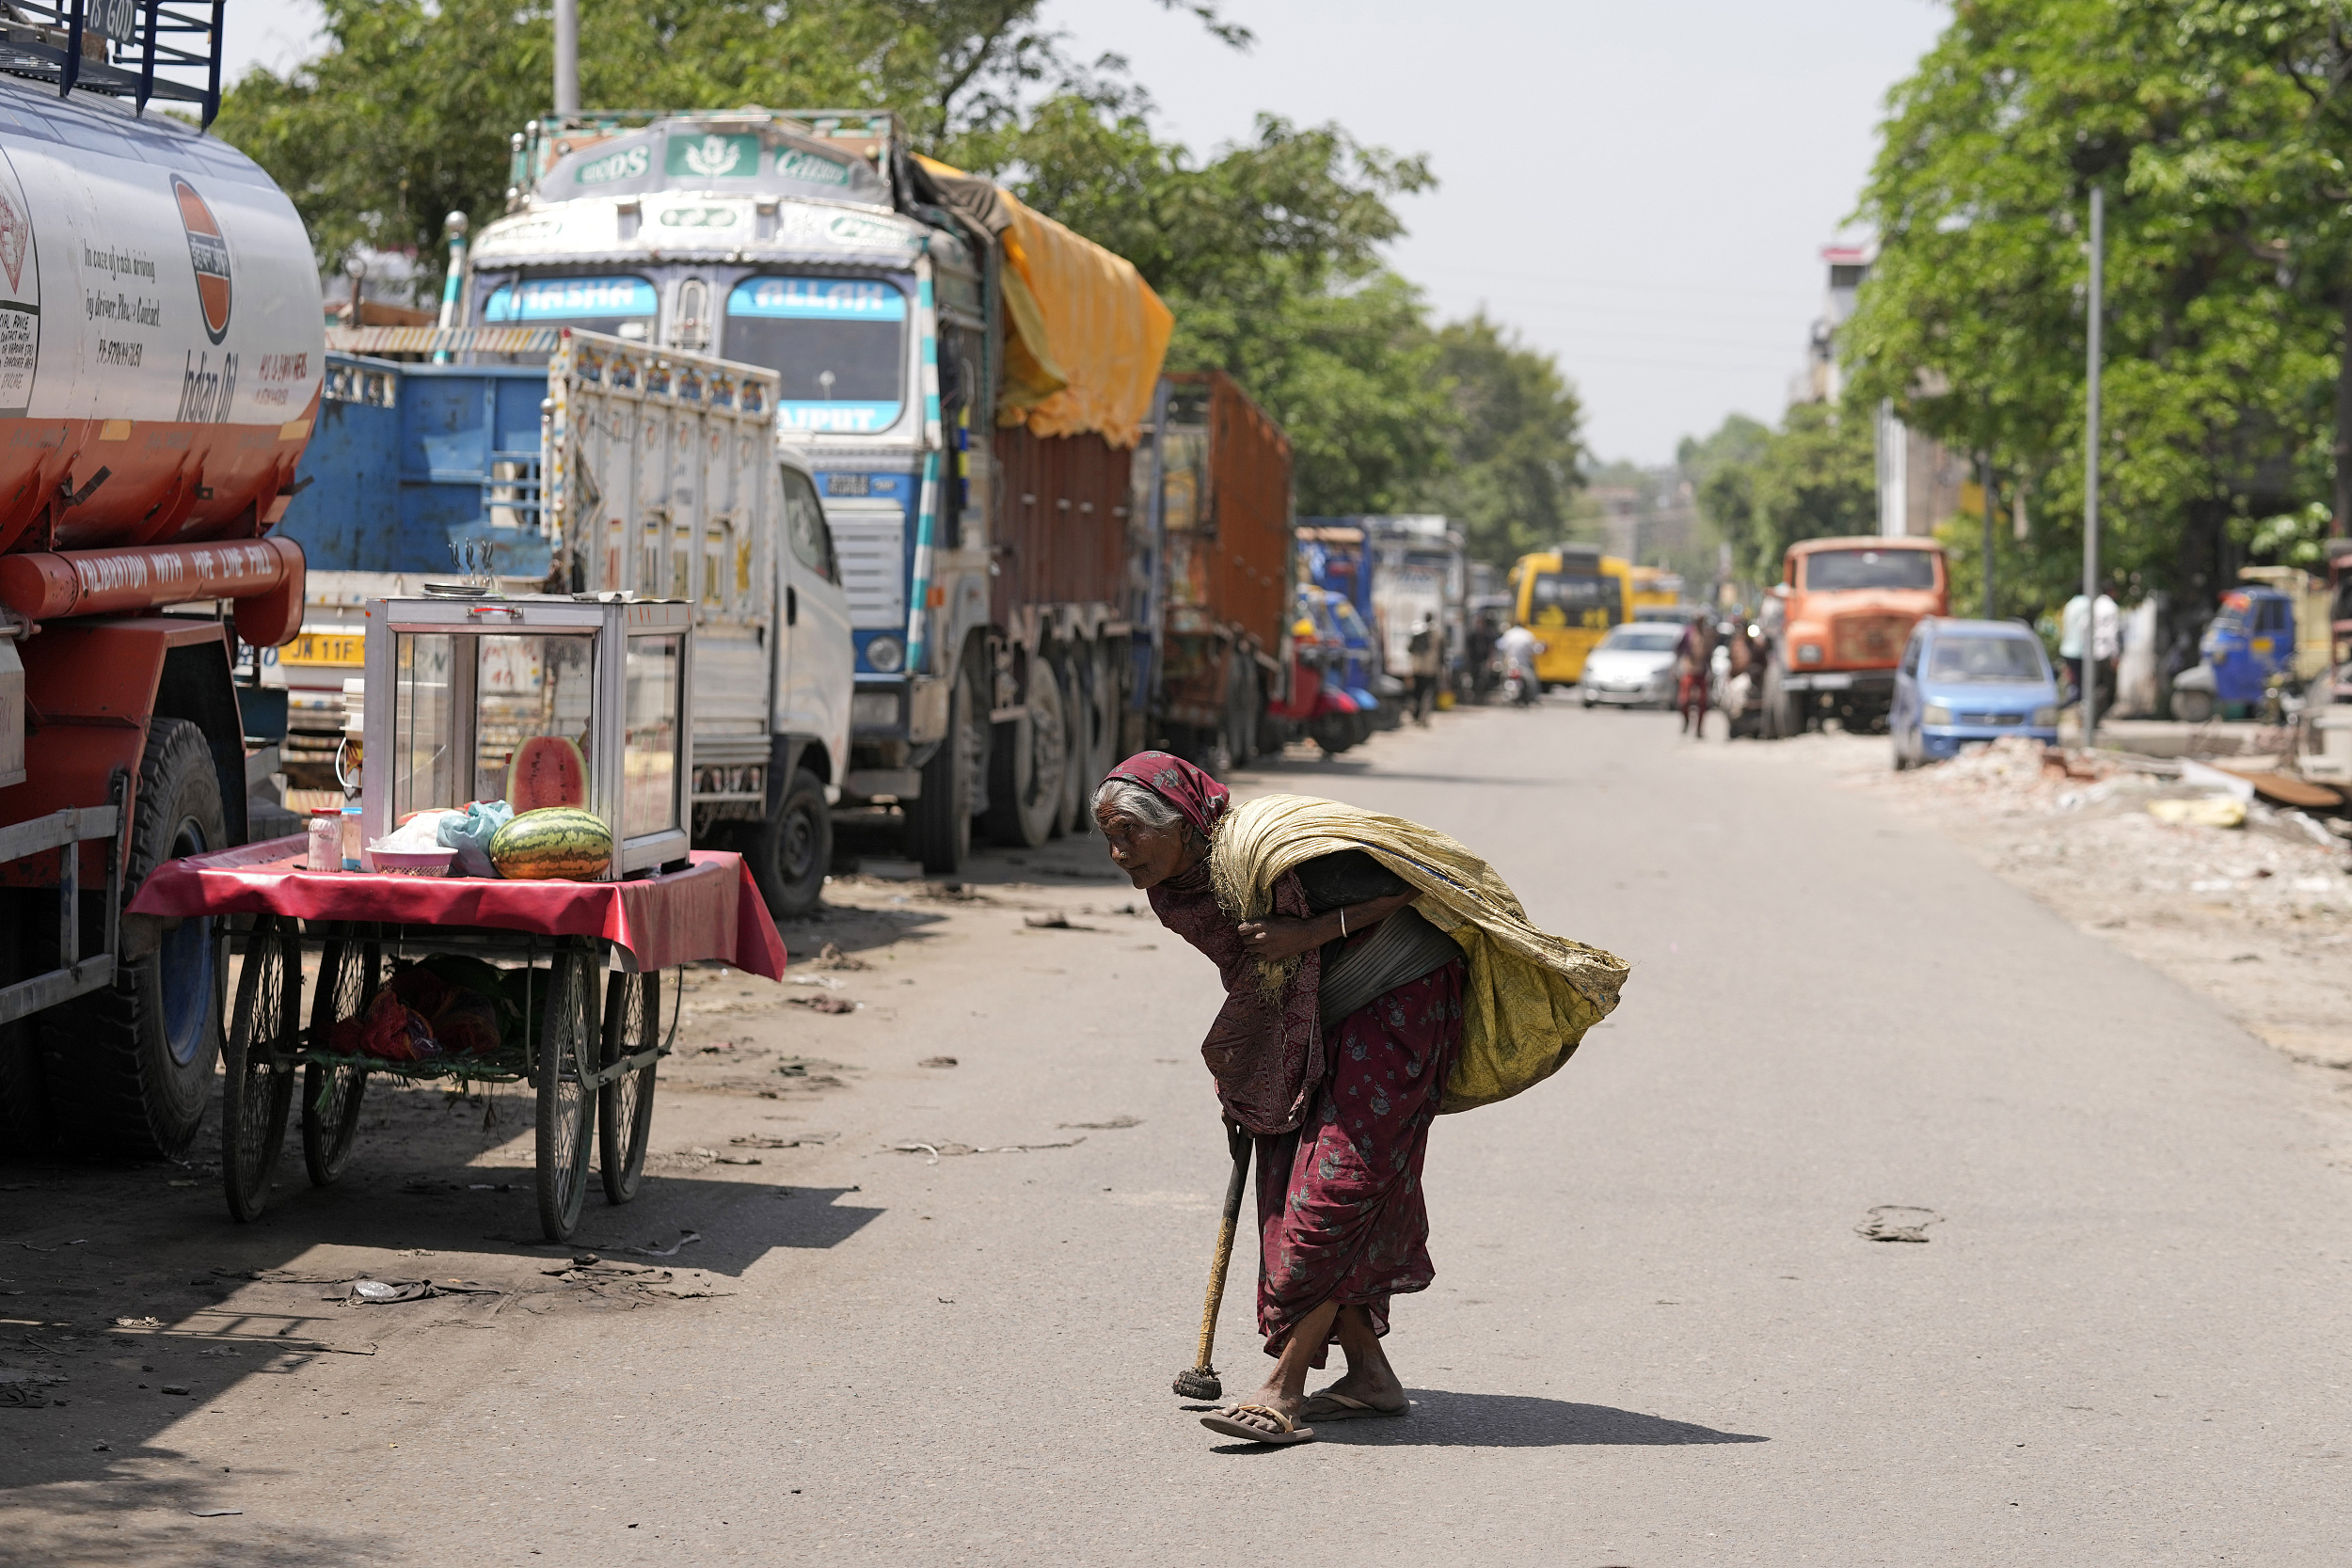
<point x="1224" y="1423"/>
<point x="1341" y="1407"/>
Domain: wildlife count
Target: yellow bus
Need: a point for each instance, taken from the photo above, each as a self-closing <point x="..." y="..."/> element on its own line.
<point x="1655" y="590"/>
<point x="1569" y="597"/>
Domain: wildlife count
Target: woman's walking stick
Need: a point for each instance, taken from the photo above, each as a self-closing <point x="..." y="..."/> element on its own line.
<point x="1198" y="1382"/>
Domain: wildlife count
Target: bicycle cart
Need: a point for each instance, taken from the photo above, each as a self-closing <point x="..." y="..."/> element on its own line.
<point x="589" y="1039"/>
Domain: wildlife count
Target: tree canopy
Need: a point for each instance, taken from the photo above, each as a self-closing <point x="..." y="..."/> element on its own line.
<point x="1763" y="490"/>
<point x="2217" y="129"/>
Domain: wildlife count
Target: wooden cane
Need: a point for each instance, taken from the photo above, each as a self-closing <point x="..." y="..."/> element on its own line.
<point x="1200" y="1381"/>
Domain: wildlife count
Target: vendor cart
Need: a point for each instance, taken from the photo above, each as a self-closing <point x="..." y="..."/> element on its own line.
<point x="579" y="707"/>
<point x="590" y="1044"/>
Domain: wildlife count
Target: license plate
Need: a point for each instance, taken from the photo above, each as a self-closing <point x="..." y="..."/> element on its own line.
<point x="345" y="649"/>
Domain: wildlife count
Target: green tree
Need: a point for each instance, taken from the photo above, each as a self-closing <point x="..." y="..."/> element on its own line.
<point x="2224" y="276"/>
<point x="1268" y="254"/>
<point x="405" y="116"/>
<point x="1516" y="454"/>
<point x="1814" y="477"/>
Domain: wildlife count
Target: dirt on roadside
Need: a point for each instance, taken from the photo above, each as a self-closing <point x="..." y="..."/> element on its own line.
<point x="2257" y="917"/>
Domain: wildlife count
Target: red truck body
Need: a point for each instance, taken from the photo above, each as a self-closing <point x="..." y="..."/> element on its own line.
<point x="1224" y="514"/>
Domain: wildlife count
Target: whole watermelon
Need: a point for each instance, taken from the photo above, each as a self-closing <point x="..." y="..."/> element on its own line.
<point x="556" y="841"/>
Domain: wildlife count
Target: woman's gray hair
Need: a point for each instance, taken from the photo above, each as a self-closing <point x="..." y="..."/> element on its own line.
<point x="1128" y="799"/>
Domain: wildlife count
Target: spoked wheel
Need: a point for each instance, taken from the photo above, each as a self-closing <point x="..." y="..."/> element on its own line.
<point x="563" y="1076"/>
<point x="350" y="970"/>
<point x="632" y="1023"/>
<point x="263" y="1037"/>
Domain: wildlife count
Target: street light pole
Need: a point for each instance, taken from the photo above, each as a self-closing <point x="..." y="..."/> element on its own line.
<point x="1984" y="483"/>
<point x="567" y="57"/>
<point x="2090" y="475"/>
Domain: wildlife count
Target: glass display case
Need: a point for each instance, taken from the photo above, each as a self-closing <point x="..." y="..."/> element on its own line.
<point x="457" y="685"/>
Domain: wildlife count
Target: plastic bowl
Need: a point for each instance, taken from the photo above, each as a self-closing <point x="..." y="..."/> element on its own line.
<point x="412" y="862"/>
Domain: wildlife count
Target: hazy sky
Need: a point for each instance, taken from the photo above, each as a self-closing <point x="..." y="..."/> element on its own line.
<point x="1642" y="189"/>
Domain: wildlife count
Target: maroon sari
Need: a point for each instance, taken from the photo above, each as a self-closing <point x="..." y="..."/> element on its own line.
<point x="1342" y="1124"/>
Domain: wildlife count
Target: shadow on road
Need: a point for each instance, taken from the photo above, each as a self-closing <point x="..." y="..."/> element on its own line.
<point x="1442" y="1419"/>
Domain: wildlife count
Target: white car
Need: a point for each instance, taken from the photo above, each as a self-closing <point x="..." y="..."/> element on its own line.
<point x="1634" y="664"/>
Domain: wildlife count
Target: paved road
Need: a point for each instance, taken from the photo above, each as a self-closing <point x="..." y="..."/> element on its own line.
<point x="1655" y="1337"/>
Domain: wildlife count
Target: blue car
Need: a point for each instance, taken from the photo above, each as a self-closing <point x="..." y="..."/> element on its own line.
<point x="1964" y="681"/>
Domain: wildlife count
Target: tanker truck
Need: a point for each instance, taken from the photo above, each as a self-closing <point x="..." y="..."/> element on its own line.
<point x="966" y="379"/>
<point x="160" y="362"/>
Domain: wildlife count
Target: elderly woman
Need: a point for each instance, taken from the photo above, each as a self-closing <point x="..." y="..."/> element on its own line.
<point x="1342" y="1023"/>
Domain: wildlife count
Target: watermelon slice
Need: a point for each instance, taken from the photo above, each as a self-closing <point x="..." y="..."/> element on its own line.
<point x="546" y="770"/>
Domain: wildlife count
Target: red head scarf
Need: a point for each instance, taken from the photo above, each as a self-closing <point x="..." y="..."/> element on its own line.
<point x="1198" y="799"/>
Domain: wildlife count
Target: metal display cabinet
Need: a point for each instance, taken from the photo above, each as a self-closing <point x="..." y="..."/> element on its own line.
<point x="454" y="685"/>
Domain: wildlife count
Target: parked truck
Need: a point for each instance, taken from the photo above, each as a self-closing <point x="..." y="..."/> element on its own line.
<point x="1212" y="547"/>
<point x="160" y="363"/>
<point x="607" y="464"/>
<point x="966" y="379"/>
<point x="1419" y="573"/>
<point x="1838" y="621"/>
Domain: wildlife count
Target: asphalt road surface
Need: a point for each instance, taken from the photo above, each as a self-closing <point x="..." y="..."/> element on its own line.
<point x="1655" y="1335"/>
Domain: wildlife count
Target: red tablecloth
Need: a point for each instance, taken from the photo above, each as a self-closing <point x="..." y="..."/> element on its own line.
<point x="710" y="910"/>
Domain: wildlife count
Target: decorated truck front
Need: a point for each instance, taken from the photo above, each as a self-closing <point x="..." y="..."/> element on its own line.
<point x="964" y="377"/>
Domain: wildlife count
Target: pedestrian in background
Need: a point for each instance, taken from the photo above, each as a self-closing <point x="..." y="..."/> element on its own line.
<point x="1694" y="657"/>
<point x="1352" y="1016"/>
<point x="1425" y="650"/>
<point x="2102" y="628"/>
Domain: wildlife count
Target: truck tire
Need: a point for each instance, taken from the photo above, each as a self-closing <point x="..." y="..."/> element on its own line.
<point x="1783" y="716"/>
<point x="789" y="852"/>
<point x="129" y="1067"/>
<point x="24" y="1098"/>
<point x="939" y="823"/>
<point x="1093" y="729"/>
<point x="1028" y="760"/>
<point x="1107" y="706"/>
<point x="1077" y="729"/>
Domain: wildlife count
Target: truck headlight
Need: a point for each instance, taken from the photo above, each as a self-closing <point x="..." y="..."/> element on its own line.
<point x="2045" y="718"/>
<point x="1935" y="713"/>
<point x="1809" y="653"/>
<point x="886" y="655"/>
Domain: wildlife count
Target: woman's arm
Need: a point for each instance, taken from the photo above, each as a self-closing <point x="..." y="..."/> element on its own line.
<point x="1282" y="935"/>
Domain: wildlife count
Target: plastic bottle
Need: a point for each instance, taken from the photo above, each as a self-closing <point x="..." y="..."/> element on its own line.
<point x="327" y="839"/>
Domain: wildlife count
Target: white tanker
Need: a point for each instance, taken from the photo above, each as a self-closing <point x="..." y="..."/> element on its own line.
<point x="161" y="354"/>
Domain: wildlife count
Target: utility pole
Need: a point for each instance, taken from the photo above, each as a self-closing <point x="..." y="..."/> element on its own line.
<point x="566" y="57"/>
<point x="1984" y="481"/>
<point x="2090" y="473"/>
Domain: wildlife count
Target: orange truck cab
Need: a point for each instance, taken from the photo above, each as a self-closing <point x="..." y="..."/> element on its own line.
<point x="1846" y="609"/>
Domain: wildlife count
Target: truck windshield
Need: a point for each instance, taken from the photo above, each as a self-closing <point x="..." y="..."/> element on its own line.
<point x="1986" y="659"/>
<point x="1839" y="569"/>
<point x="623" y="306"/>
<point x="838" y="342"/>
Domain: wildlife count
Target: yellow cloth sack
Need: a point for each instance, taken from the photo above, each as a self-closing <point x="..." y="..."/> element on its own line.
<point x="1528" y="997"/>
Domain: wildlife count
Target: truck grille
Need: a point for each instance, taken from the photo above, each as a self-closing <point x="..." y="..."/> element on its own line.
<point x="1870" y="639"/>
<point x="871" y="541"/>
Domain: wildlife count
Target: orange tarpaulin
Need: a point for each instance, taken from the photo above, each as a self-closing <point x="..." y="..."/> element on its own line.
<point x="1085" y="335"/>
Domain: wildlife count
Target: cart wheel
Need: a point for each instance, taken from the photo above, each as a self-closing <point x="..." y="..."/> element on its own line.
<point x="568" y="1100"/>
<point x="632" y="1023"/>
<point x="262" y="1032"/>
<point x="350" y="970"/>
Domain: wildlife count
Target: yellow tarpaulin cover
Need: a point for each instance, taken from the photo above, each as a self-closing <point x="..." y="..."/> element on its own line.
<point x="1528" y="997"/>
<point x="1086" y="335"/>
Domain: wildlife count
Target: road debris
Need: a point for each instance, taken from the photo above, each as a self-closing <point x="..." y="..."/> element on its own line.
<point x="1115" y="1124"/>
<point x="937" y="1061"/>
<point x="1897" y="1222"/>
<point x="825" y="1003"/>
<point x="831" y="956"/>
<point x="2204" y="811"/>
<point x="1055" y="921"/>
<point x="952" y="1149"/>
